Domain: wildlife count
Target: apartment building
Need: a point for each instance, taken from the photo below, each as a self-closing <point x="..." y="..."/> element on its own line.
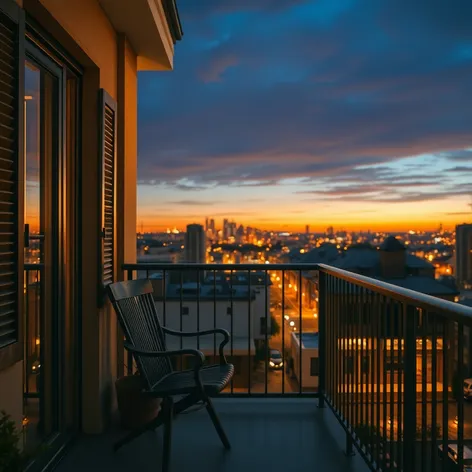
<point x="464" y="255"/>
<point x="68" y="158"/>
<point x="233" y="301"/>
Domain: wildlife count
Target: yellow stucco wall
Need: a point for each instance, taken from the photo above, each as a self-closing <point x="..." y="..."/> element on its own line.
<point x="86" y="22"/>
<point x="127" y="149"/>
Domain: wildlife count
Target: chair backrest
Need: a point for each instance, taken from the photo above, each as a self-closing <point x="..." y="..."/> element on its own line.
<point x="136" y="311"/>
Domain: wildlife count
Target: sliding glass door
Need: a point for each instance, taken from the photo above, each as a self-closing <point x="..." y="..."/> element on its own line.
<point x="51" y="374"/>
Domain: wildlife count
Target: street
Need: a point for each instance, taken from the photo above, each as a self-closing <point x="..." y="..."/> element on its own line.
<point x="288" y="316"/>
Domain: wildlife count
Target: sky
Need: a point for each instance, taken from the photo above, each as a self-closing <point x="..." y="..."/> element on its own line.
<point x="285" y="113"/>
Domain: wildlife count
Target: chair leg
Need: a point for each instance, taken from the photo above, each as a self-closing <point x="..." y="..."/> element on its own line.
<point x="169" y="414"/>
<point x="217" y="424"/>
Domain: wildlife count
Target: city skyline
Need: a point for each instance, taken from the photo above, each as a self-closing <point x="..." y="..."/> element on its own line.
<point x="288" y="113"/>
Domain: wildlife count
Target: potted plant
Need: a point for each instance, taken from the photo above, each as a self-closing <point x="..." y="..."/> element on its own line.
<point x="12" y="459"/>
<point x="136" y="408"/>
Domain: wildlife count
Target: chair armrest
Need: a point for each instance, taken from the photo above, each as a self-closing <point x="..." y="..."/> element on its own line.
<point x="180" y="352"/>
<point x="188" y="334"/>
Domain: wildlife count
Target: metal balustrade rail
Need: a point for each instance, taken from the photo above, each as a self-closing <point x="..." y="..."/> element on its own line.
<point x="32" y="326"/>
<point x="388" y="361"/>
<point x="264" y="308"/>
<point x="394" y="365"/>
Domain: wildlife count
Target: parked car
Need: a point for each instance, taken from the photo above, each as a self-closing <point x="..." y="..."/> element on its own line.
<point x="275" y="359"/>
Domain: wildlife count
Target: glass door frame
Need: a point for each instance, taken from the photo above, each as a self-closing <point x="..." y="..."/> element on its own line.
<point x="64" y="400"/>
<point x="51" y="150"/>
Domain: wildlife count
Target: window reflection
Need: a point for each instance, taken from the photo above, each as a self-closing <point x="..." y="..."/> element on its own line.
<point x="32" y="324"/>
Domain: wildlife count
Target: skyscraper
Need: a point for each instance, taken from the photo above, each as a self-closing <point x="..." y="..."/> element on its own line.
<point x="225" y="229"/>
<point x="307" y="229"/>
<point x="195" y="244"/>
<point x="464" y="255"/>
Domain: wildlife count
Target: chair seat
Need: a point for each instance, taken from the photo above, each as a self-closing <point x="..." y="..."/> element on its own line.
<point x="214" y="378"/>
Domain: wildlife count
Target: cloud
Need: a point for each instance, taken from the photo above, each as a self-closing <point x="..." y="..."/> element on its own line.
<point x="213" y="70"/>
<point x="192" y="203"/>
<point x="458" y="213"/>
<point x="464" y="155"/>
<point x="202" y="8"/>
<point x="265" y="91"/>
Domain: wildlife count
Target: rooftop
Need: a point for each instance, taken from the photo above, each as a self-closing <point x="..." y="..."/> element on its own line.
<point x="422" y="285"/>
<point x="392" y="244"/>
<point x="309" y="340"/>
<point x="279" y="435"/>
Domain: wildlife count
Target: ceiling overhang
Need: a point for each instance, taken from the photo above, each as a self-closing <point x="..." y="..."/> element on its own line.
<point x="151" y="26"/>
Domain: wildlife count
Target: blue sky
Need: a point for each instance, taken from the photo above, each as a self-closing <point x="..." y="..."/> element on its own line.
<point x="281" y="113"/>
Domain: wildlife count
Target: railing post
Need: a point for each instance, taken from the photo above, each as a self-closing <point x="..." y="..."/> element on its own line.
<point x="322" y="338"/>
<point x="409" y="411"/>
<point x="349" y="445"/>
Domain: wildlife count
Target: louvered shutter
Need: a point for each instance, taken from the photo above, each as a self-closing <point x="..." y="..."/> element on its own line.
<point x="108" y="193"/>
<point x="11" y="175"/>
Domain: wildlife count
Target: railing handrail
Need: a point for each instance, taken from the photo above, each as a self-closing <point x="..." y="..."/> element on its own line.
<point x="219" y="266"/>
<point x="458" y="312"/>
<point x="454" y="311"/>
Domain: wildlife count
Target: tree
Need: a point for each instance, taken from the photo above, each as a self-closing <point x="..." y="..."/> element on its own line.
<point x="11" y="459"/>
<point x="274" y="326"/>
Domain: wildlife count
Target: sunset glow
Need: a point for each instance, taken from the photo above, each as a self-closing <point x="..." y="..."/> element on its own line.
<point x="318" y="113"/>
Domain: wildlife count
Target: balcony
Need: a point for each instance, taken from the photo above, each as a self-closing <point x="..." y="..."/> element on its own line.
<point x="265" y="434"/>
<point x="387" y="364"/>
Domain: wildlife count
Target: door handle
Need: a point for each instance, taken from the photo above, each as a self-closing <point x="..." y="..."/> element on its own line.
<point x="29" y="237"/>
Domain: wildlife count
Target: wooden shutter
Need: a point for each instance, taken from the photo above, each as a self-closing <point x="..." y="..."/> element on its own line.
<point x="11" y="179"/>
<point x="108" y="191"/>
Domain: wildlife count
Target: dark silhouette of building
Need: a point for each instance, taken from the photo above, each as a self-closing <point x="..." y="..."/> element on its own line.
<point x="195" y="242"/>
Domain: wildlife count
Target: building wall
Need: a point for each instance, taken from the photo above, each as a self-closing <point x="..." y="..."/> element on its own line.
<point x="82" y="29"/>
<point x="307" y="380"/>
<point x="127" y="150"/>
<point x="392" y="264"/>
<point x="88" y="25"/>
<point x="109" y="62"/>
<point x="207" y="316"/>
<point x="464" y="255"/>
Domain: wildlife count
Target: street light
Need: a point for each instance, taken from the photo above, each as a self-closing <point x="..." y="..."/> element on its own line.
<point x="292" y="323"/>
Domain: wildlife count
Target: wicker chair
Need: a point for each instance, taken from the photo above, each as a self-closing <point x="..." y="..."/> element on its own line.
<point x="136" y="311"/>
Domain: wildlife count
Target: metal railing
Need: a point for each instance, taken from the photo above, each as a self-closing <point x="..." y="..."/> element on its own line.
<point x="393" y="371"/>
<point x="389" y="362"/>
<point x="265" y="309"/>
<point x="32" y="326"/>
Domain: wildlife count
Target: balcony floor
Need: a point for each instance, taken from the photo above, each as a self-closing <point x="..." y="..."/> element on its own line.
<point x="266" y="434"/>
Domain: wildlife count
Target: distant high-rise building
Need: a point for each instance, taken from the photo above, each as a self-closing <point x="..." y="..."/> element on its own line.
<point x="307" y="229"/>
<point x="240" y="234"/>
<point x="206" y="225"/>
<point x="464" y="255"/>
<point x="195" y="244"/>
<point x="232" y="229"/>
<point x="225" y="229"/>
